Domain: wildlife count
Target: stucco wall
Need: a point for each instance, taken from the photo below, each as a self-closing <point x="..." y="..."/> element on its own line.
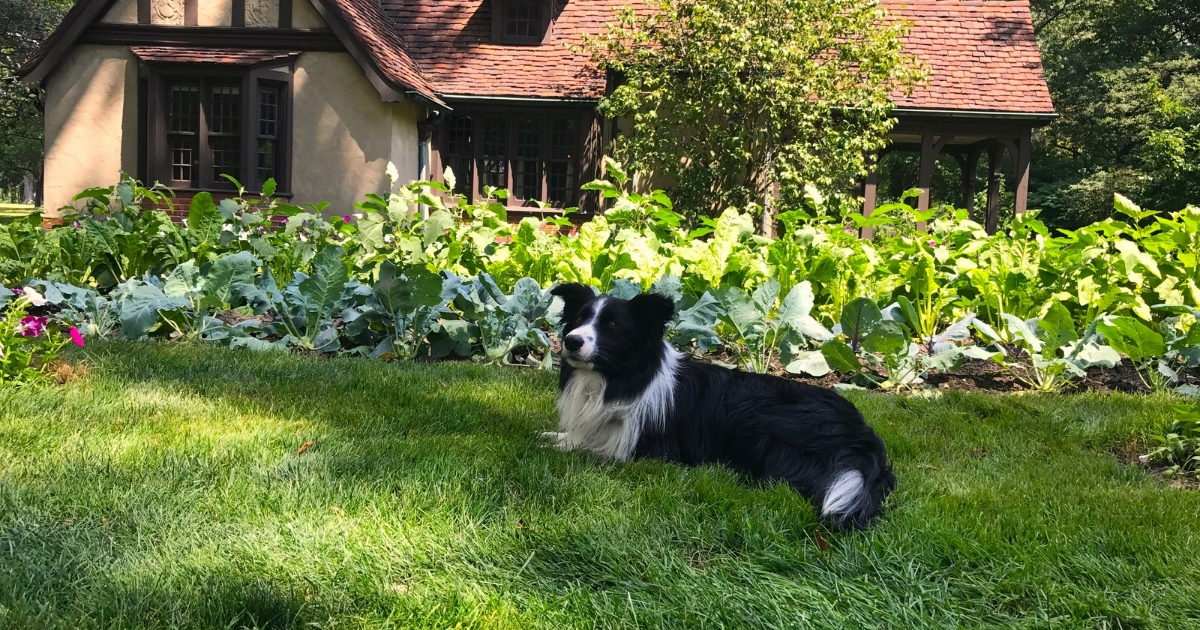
<point x="214" y="12"/>
<point x="304" y="15"/>
<point x="91" y="121"/>
<point x="122" y="12"/>
<point x="262" y="13"/>
<point x="343" y="135"/>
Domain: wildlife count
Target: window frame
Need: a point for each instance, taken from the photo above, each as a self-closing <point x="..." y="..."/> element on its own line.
<point x="155" y="154"/>
<point x="500" y="22"/>
<point x="580" y="115"/>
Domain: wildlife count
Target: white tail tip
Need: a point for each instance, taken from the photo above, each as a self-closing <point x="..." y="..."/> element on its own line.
<point x="844" y="493"/>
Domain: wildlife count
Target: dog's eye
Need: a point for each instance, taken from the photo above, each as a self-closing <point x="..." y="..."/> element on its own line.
<point x="579" y="320"/>
<point x="610" y="324"/>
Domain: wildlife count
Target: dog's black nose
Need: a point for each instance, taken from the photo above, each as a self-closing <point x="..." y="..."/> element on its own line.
<point x="572" y="343"/>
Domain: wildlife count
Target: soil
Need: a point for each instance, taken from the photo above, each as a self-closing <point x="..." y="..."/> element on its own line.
<point x="1131" y="455"/>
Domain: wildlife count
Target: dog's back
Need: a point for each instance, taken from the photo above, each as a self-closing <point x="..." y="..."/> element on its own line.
<point x="776" y="429"/>
<point x="624" y="392"/>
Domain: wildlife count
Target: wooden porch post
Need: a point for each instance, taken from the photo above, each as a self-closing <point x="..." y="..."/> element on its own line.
<point x="869" y="187"/>
<point x="924" y="181"/>
<point x="993" y="192"/>
<point x="967" y="163"/>
<point x="1022" y="159"/>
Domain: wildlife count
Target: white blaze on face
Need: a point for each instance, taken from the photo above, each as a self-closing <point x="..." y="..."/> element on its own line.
<point x="586" y="334"/>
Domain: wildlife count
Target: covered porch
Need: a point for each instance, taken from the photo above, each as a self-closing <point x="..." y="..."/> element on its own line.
<point x="968" y="137"/>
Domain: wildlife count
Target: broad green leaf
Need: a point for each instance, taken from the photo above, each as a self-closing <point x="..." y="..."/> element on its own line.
<point x="226" y="273"/>
<point x="323" y="288"/>
<point x="840" y="357"/>
<point x="858" y="317"/>
<point x="1057" y="326"/>
<point x="887" y="338"/>
<point x="1132" y="338"/>
<point x="203" y="219"/>
<point x="796" y="306"/>
<point x="811" y="362"/>
<point x="403" y="293"/>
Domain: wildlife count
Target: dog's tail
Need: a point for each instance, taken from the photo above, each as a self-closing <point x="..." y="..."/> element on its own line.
<point x="854" y="494"/>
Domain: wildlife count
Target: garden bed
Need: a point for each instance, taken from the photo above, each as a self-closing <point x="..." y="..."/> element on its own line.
<point x="166" y="488"/>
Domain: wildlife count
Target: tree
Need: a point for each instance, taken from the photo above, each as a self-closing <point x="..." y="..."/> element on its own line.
<point x="23" y="26"/>
<point x="731" y="100"/>
<point x="1125" y="78"/>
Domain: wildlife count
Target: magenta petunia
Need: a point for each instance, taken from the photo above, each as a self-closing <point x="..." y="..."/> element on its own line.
<point x="31" y="326"/>
<point x="346" y="219"/>
<point x="76" y="337"/>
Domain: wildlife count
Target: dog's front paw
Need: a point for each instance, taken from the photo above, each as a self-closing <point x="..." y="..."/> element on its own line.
<point x="557" y="439"/>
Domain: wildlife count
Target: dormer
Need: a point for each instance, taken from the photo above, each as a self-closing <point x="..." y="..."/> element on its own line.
<point x="521" y="22"/>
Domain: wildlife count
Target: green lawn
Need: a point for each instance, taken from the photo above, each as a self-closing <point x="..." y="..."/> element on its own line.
<point x="165" y="490"/>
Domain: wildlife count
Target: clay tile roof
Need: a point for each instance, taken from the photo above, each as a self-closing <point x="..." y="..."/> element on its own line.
<point x="232" y="56"/>
<point x="452" y="40"/>
<point x="383" y="42"/>
<point x="982" y="56"/>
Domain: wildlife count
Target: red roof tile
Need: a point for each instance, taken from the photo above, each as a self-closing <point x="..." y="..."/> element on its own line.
<point x="240" y="57"/>
<point x="383" y="43"/>
<point x="452" y="40"/>
<point x="982" y="54"/>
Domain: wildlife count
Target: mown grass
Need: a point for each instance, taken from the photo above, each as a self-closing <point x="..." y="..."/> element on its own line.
<point x="165" y="490"/>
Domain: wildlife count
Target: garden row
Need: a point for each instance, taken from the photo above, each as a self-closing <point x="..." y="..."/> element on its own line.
<point x="419" y="272"/>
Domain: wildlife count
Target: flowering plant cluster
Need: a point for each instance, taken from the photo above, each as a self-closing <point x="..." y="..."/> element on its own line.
<point x="29" y="344"/>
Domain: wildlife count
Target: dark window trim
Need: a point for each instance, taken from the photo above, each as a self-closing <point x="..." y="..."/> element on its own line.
<point x="154" y="150"/>
<point x="500" y="16"/>
<point x="583" y="116"/>
<point x="316" y="40"/>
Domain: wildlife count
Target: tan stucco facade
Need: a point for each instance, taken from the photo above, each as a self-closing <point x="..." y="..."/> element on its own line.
<point x="91" y="121"/>
<point x="344" y="135"/>
<point x="304" y="15"/>
<point x="122" y="12"/>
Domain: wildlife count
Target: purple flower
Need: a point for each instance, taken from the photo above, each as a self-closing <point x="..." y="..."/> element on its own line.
<point x="75" y="224"/>
<point x="849" y="230"/>
<point x="31" y="326"/>
<point x="346" y="219"/>
<point x="76" y="338"/>
<point x="932" y="242"/>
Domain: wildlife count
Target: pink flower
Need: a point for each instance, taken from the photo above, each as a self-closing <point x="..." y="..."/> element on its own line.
<point x="849" y="230"/>
<point x="346" y="219"/>
<point x="31" y="326"/>
<point x="932" y="242"/>
<point x="76" y="338"/>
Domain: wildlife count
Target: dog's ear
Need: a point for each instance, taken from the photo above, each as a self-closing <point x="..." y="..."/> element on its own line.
<point x="653" y="309"/>
<point x="574" y="296"/>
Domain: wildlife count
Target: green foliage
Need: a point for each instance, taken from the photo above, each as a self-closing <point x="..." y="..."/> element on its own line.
<point x="1123" y="76"/>
<point x="1179" y="448"/>
<point x="28" y="343"/>
<point x="730" y="98"/>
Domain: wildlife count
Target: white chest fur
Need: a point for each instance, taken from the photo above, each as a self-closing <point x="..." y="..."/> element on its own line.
<point x="612" y="429"/>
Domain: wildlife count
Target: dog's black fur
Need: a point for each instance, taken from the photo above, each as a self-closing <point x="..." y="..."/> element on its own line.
<point x="765" y="426"/>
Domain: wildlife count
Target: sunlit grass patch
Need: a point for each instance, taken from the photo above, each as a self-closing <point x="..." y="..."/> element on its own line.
<point x="166" y="490"/>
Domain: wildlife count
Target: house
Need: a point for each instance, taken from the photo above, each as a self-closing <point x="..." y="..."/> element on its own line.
<point x="322" y="94"/>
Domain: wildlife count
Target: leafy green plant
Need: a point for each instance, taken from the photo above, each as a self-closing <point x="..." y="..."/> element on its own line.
<point x="28" y="343"/>
<point x="1179" y="448"/>
<point x="1047" y="353"/>
<point x="759" y="323"/>
<point x="504" y="324"/>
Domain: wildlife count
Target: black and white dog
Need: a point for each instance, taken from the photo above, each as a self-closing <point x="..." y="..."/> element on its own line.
<point x="624" y="392"/>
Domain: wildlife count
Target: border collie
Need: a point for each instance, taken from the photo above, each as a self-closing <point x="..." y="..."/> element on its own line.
<point x="624" y="392"/>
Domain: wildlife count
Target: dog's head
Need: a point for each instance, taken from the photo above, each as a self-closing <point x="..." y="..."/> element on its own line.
<point x="601" y="332"/>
